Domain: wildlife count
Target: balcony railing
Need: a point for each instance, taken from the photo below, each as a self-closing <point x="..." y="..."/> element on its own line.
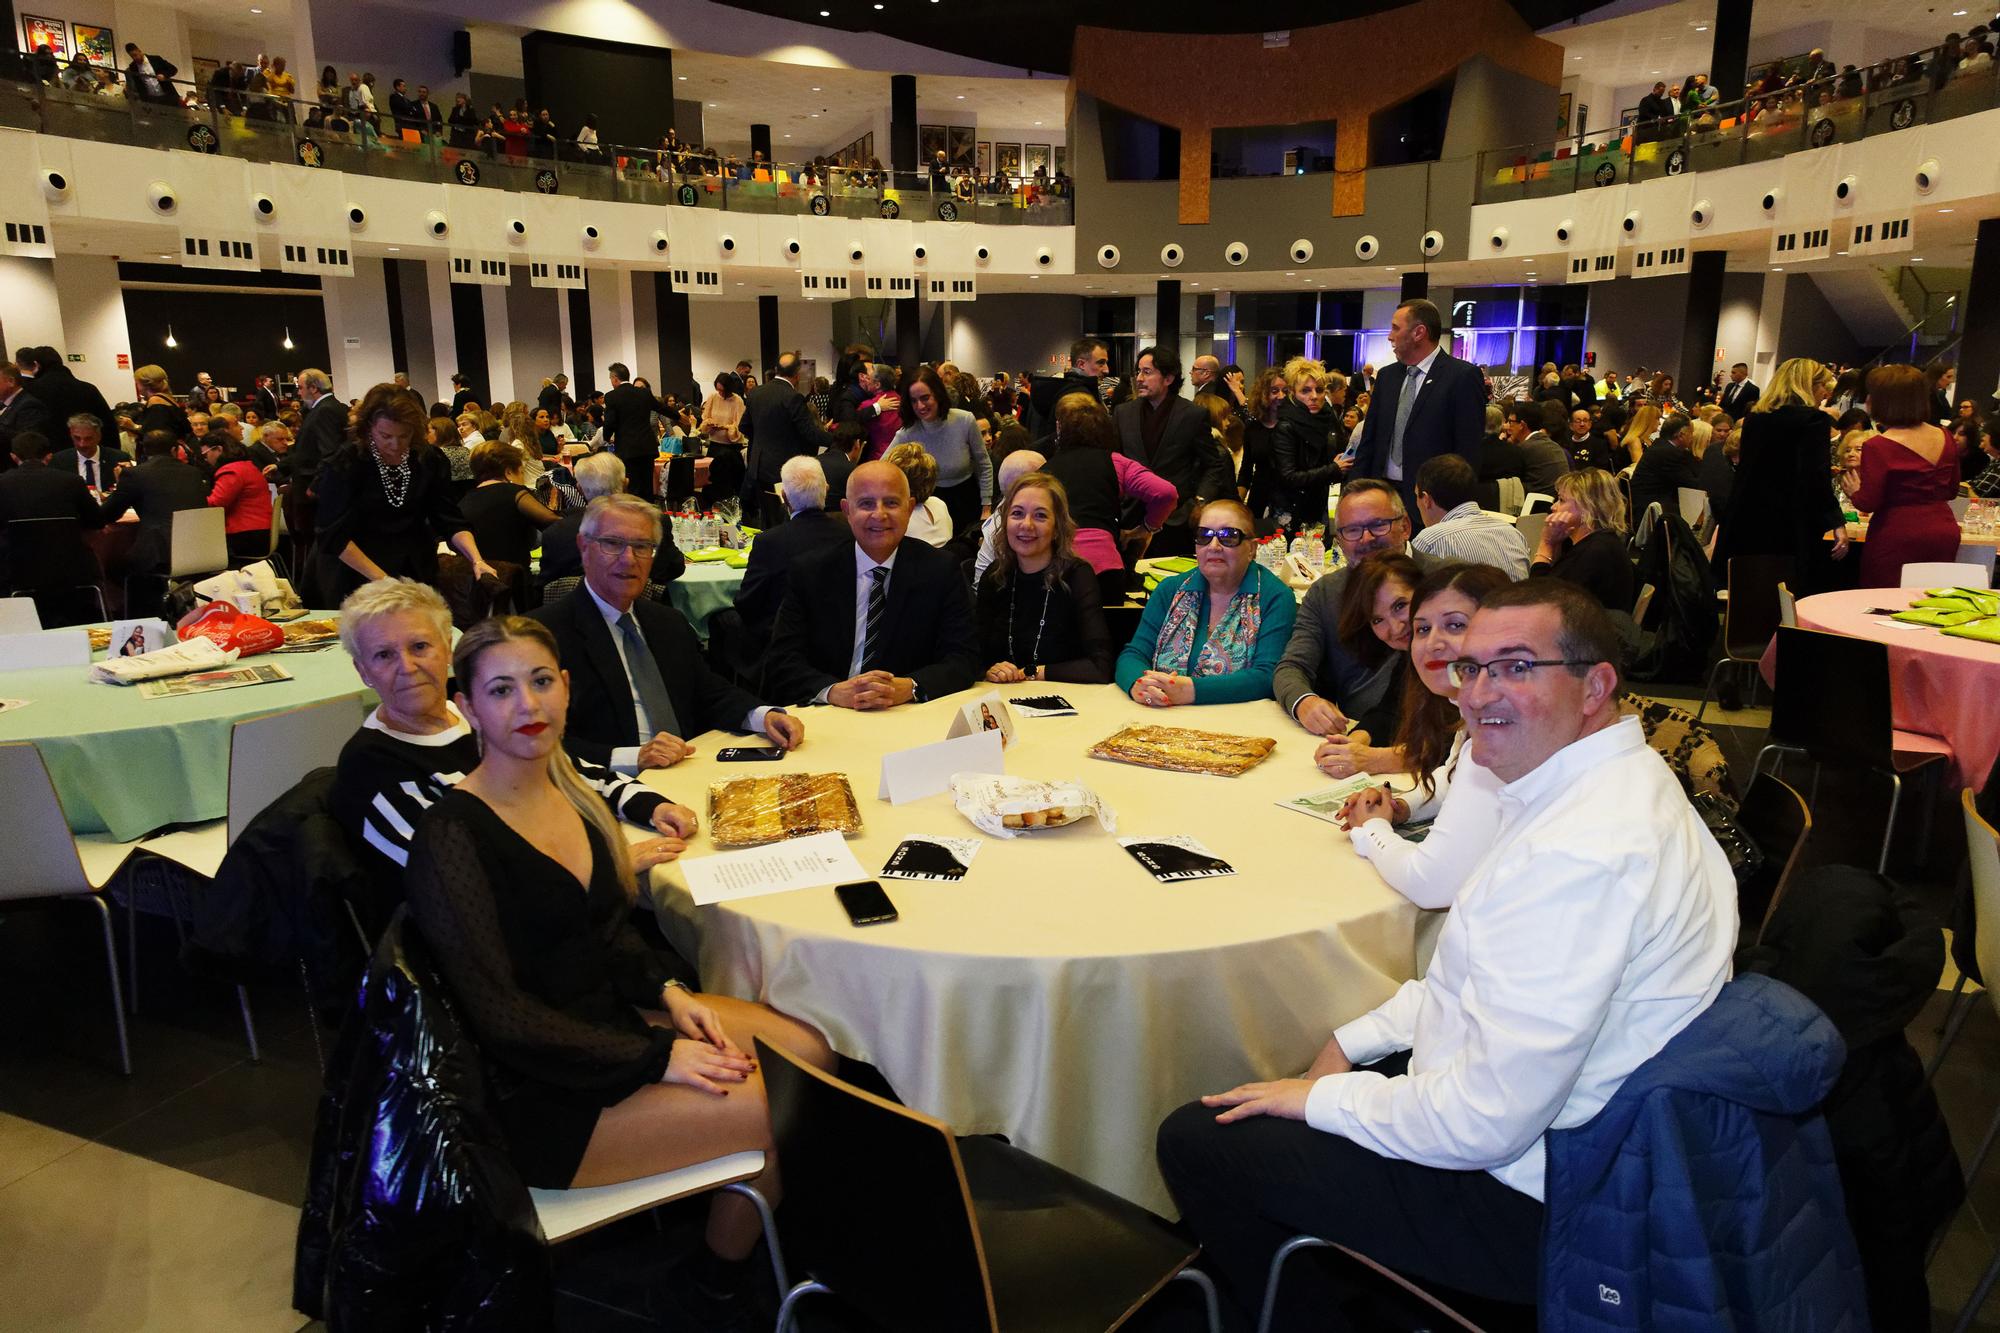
<point x="261" y="128"/>
<point x="1894" y="95"/>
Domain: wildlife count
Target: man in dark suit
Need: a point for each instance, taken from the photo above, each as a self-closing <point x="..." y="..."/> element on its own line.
<point x="461" y="394"/>
<point x="265" y="399"/>
<point x="1664" y="468"/>
<point x="20" y="411"/>
<point x="1427" y="402"/>
<point x="810" y="536"/>
<point x="322" y="429"/>
<point x="429" y="119"/>
<point x="598" y="474"/>
<point x="1088" y="362"/>
<point x="639" y="685"/>
<point x="891" y="625"/>
<point x="401" y="108"/>
<point x="836" y="461"/>
<point x="1170" y="435"/>
<point x="628" y="430"/>
<point x="160" y="487"/>
<point x="550" y="399"/>
<point x="1739" y="395"/>
<point x="89" y="459"/>
<point x="1655" y="110"/>
<point x="36" y="490"/>
<point x="779" y="424"/>
<point x="44" y="375"/>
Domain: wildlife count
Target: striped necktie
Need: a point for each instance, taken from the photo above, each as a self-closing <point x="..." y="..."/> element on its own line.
<point x="878" y="606"/>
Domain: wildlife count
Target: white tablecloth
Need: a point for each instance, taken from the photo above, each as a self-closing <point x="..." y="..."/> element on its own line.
<point x="1058" y="995"/>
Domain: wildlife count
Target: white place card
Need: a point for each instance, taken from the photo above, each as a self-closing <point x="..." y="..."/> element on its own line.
<point x="799" y="863"/>
<point x="926" y="770"/>
<point x="129" y="638"/>
<point x="989" y="712"/>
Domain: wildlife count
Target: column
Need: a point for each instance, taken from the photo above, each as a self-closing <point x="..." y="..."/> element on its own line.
<point x="1416" y="285"/>
<point x="909" y="333"/>
<point x="576" y="335"/>
<point x="768" y="348"/>
<point x="1729" y="60"/>
<point x="1167" y="317"/>
<point x="1704" y="308"/>
<point x="902" y="122"/>
<point x="1979" y="352"/>
<point x="444" y="335"/>
<point x="303" y="61"/>
<point x="760" y="141"/>
<point x="92" y="306"/>
<point x="676" y="342"/>
<point x="612" y="337"/>
<point x="357" y="329"/>
<point x="399" y="334"/>
<point x="500" y="350"/>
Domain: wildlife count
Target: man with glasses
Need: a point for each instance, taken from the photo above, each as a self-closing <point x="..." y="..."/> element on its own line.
<point x="1598" y="926"/>
<point x="639" y="683"/>
<point x="1318" y="681"/>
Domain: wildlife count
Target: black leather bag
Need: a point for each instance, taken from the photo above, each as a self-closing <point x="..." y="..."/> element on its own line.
<point x="1718" y="815"/>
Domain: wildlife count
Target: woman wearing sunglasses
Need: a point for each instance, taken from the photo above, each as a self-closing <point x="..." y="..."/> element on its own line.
<point x="1430" y="741"/>
<point x="1214" y="634"/>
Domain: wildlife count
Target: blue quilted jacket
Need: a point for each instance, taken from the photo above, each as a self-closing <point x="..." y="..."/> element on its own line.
<point x="1704" y="1195"/>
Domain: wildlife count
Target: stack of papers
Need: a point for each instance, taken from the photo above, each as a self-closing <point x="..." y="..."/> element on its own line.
<point x="176" y="659"/>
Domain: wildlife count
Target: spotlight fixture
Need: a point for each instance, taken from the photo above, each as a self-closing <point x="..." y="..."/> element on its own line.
<point x="287" y="343"/>
<point x="171" y="340"/>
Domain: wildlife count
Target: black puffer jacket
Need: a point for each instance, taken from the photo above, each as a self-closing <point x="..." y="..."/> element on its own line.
<point x="1304" y="447"/>
<point x="1868" y="954"/>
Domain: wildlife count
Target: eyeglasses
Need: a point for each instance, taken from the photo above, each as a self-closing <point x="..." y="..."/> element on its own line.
<point x="1228" y="537"/>
<point x="1505" y="670"/>
<point x="1374" y="527"/>
<point x="616" y="546"/>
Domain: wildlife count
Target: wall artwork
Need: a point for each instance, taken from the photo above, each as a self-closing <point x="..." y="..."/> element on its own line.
<point x="95" y="45"/>
<point x="37" y="33"/>
<point x="1037" y="159"/>
<point x="1562" y="115"/>
<point x="985" y="160"/>
<point x="1007" y="157"/>
<point x="1062" y="160"/>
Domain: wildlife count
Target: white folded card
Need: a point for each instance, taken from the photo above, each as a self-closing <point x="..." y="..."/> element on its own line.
<point x="798" y="863"/>
<point x="989" y="712"/>
<point x="925" y="770"/>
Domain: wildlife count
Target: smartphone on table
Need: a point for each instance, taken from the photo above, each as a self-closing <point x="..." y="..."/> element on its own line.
<point x="866" y="903"/>
<point x="737" y="754"/>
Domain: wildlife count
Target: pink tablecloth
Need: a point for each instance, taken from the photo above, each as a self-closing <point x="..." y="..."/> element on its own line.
<point x="1940" y="686"/>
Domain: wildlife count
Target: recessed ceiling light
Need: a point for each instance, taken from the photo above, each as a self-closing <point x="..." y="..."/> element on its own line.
<point x="1944" y="210"/>
<point x="1958" y="13"/>
<point x="1038" y="122"/>
<point x="1777" y="268"/>
<point x="255" y="10"/>
<point x="826" y="13"/>
<point x="1291" y="275"/>
<point x="1035" y="276"/>
<point x="715" y="104"/>
<point x="1918" y="260"/>
<point x="812" y="115"/>
<point x="394" y="248"/>
<point x="1701" y="27"/>
<point x="878" y="6"/>
<point x="682" y="77"/>
<point x="961" y="96"/>
<point x="815" y="88"/>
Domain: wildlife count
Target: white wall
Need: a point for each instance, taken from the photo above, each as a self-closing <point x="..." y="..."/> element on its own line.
<point x="158" y="29"/>
<point x="357" y="308"/>
<point x="30" y="314"/>
<point x="806" y="327"/>
<point x="93" y="321"/>
<point x="390" y="43"/>
<point x="721" y="332"/>
<point x="613" y="329"/>
<point x="533" y="332"/>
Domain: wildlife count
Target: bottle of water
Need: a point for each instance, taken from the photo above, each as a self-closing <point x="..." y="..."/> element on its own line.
<point x="707" y="535"/>
<point x="1316" y="547"/>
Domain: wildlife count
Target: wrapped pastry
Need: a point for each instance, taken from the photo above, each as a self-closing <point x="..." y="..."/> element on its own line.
<point x="749" y="811"/>
<point x="1185" y="751"/>
<point x="1008" y="807"/>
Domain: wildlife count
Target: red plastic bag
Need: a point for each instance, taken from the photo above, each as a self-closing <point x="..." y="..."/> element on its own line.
<point x="228" y="627"/>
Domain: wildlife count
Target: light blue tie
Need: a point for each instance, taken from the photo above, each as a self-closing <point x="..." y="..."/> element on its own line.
<point x="1404" y="403"/>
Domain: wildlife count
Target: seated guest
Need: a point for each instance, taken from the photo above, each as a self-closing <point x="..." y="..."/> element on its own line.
<point x="416" y="746"/>
<point x="993" y="532"/>
<point x="1667" y="465"/>
<point x="601" y="473"/>
<point x="1103" y="484"/>
<point x="1430" y="741"/>
<point x="1718" y="463"/>
<point x="1498" y="456"/>
<point x="34" y="489"/>
<point x="802" y="541"/>
<point x="443" y="434"/>
<point x="1587" y="446"/>
<point x="91" y="459"/>
<point x="890" y="626"/>
<point x="1543" y="460"/>
<point x="641" y="686"/>
<point x="1037" y="607"/>
<point x="1374" y="629"/>
<point x="1986" y="484"/>
<point x="1597" y="926"/>
<point x="243" y="496"/>
<point x="1456" y="528"/>
<point x="836" y="460"/>
<point x="1584" y="540"/>
<point x="613" y="1069"/>
<point x="1317" y="682"/>
<point x="503" y="514"/>
<point x="930" y="518"/>
<point x="160" y="487"/>
<point x="1214" y="634"/>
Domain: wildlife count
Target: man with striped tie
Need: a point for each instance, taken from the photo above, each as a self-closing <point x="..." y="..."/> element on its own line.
<point x="888" y="624"/>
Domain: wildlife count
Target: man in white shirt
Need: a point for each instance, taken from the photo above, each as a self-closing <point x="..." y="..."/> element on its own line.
<point x="1456" y="528"/>
<point x="1597" y="927"/>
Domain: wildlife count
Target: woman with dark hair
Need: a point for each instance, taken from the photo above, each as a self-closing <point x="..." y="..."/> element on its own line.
<point x="385" y="502"/>
<point x="947" y="433"/>
<point x="461" y="122"/>
<point x="721" y="430"/>
<point x="1374" y="628"/>
<point x="502" y="513"/>
<point x="1260" y="432"/>
<point x="1098" y="481"/>
<point x="1037" y="609"/>
<point x="243" y="496"/>
<point x="1909" y="474"/>
<point x="1430" y="740"/>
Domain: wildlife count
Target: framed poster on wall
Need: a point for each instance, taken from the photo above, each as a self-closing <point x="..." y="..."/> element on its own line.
<point x="1062" y="160"/>
<point x="930" y="142"/>
<point x="95" y="45"/>
<point x="1037" y="159"/>
<point x="958" y="145"/>
<point x="37" y="33"/>
<point x="985" y="159"/>
<point x="1007" y="156"/>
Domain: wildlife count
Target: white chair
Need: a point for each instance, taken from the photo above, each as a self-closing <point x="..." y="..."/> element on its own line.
<point x="1533" y="498"/>
<point x="198" y="544"/>
<point x="1530" y="527"/>
<point x="1945" y="574"/>
<point x="45" y="648"/>
<point x="1788" y="607"/>
<point x="19" y="616"/>
<point x="45" y="860"/>
<point x="1982" y="845"/>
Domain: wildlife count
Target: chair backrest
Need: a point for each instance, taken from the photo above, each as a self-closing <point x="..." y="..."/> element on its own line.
<point x="268" y="755"/>
<point x="1832" y="698"/>
<point x="1959" y="507"/>
<point x="1751" y="615"/>
<point x="1535" y="502"/>
<point x="45" y="554"/>
<point x="1945" y="574"/>
<point x="18" y="616"/>
<point x="1778" y="820"/>
<point x="45" y="648"/>
<point x="1788" y="607"/>
<point x="199" y="544"/>
<point x="41" y="855"/>
<point x="1530" y="527"/>
<point x="1982" y="846"/>
<point x="878" y="1197"/>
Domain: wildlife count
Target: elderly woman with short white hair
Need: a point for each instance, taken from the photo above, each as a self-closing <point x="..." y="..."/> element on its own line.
<point x="415" y="746"/>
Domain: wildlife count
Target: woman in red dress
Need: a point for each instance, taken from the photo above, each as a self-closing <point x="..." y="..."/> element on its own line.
<point x="1909" y="474"/>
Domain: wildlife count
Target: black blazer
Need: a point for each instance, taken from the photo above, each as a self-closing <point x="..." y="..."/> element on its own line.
<point x="602" y="715"/>
<point x="41" y="491"/>
<point x="835" y="463"/>
<point x="628" y="423"/>
<point x="158" y="489"/>
<point x="1663" y="469"/>
<point x="1448" y="417"/>
<point x="67" y="396"/>
<point x="779" y="425"/>
<point x="266" y="404"/>
<point x="1187" y="454"/>
<point x="1738" y="399"/>
<point x="25" y="413"/>
<point x="322" y="431"/>
<point x="108" y="459"/>
<point x="803" y="542"/>
<point x="927" y="629"/>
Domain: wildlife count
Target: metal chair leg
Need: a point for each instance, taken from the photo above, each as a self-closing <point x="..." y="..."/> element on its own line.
<point x="793" y="1297"/>
<point x="1209" y="1301"/>
<point x="1971" y="1310"/>
<point x="249" y="1024"/>
<point x="111" y="970"/>
<point x="1889" y="832"/>
<point x="1956" y="1010"/>
<point x="1285" y="1251"/>
<point x="770" y="1225"/>
<point x="1708" y="688"/>
<point x="312" y="1018"/>
<point x="132" y="944"/>
<point x="1985" y="1146"/>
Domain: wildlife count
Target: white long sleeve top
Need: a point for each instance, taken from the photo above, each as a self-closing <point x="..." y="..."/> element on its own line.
<point x="1464" y="808"/>
<point x="1591" y="932"/>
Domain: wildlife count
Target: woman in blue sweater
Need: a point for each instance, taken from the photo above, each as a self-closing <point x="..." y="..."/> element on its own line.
<point x="1214" y="634"/>
<point x="965" y="476"/>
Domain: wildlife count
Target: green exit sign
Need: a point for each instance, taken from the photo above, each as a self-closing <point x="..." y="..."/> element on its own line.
<point x="76" y="356"/>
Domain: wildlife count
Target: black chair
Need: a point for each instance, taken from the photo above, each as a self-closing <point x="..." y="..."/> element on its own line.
<point x="47" y="560"/>
<point x="556" y="589"/>
<point x="1750" y="616"/>
<point x="1777" y="819"/>
<point x="1832" y="705"/>
<point x="922" y="1232"/>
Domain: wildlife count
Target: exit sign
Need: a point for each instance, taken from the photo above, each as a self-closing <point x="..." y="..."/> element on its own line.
<point x="76" y="356"/>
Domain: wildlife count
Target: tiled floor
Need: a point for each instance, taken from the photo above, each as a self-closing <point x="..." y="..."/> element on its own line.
<point x="168" y="1200"/>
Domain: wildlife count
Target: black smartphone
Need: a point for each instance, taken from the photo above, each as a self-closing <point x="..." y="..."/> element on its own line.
<point x="866" y="904"/>
<point x="736" y="754"/>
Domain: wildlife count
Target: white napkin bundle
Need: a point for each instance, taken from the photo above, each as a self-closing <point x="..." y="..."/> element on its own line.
<point x="176" y="659"/>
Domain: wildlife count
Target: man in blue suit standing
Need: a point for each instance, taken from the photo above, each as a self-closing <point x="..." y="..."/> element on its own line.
<point x="1427" y="402"/>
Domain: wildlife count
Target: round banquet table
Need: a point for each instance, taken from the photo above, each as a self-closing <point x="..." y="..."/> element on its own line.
<point x="1058" y="994"/>
<point x="707" y="586"/>
<point x="1939" y="685"/>
<point x="127" y="765"/>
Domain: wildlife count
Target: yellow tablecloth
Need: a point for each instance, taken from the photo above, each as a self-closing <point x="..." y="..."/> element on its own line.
<point x="1058" y="994"/>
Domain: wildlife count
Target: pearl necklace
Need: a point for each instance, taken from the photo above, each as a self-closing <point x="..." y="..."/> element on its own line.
<point x="395" y="480"/>
<point x="1013" y="588"/>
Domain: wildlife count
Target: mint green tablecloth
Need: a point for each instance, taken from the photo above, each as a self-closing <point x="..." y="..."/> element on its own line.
<point x="126" y="766"/>
<point x="707" y="587"/>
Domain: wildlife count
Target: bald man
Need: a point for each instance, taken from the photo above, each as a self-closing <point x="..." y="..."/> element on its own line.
<point x="889" y="624"/>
